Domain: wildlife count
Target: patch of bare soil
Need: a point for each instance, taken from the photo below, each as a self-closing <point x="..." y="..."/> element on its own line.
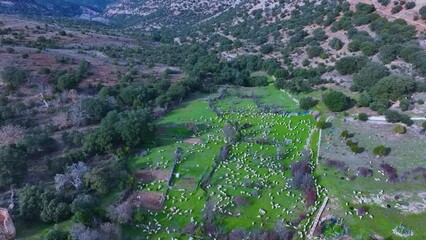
<point x="186" y="183"/>
<point x="147" y="176"/>
<point x="149" y="200"/>
<point x="193" y="141"/>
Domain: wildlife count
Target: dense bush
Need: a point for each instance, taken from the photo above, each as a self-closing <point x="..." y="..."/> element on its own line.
<point x="95" y="109"/>
<point x="422" y="12"/>
<point x="350" y="65"/>
<point x="393" y="87"/>
<point x="336" y="43"/>
<point x="381" y="150"/>
<point x="13" y="76"/>
<point x="131" y="128"/>
<point x="13" y="165"/>
<point x="336" y="101"/>
<point x="394" y="117"/>
<point x="368" y="76"/>
<point x="362" y="117"/>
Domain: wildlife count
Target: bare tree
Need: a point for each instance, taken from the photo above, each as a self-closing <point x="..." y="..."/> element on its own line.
<point x="81" y="232"/>
<point x="61" y="120"/>
<point x="121" y="214"/>
<point x="110" y="231"/>
<point x="77" y="114"/>
<point x="10" y="134"/>
<point x="73" y="176"/>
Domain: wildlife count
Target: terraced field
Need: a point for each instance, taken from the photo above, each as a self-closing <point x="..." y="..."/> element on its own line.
<point x="220" y="181"/>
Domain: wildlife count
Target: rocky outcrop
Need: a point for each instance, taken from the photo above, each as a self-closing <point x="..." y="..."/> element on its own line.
<point x="7" y="228"/>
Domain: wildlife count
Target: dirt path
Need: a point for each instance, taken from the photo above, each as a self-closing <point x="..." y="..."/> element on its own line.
<point x="290" y="96"/>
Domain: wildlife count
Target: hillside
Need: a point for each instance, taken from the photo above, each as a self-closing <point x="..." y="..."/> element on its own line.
<point x="228" y="120"/>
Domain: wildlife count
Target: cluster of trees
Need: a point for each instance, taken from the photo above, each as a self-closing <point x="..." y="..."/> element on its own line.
<point x="14" y="77"/>
<point x="14" y="157"/>
<point x="70" y="79"/>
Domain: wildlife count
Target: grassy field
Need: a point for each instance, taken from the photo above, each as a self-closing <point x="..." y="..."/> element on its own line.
<point x="388" y="204"/>
<point x="252" y="169"/>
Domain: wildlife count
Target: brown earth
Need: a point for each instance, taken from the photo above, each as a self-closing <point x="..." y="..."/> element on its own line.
<point x="147" y="176"/>
<point x="149" y="200"/>
<point x="193" y="141"/>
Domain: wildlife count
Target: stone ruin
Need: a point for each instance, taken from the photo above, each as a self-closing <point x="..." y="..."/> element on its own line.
<point x="7" y="228"/>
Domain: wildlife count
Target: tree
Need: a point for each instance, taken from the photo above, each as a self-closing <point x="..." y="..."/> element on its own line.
<point x="10" y="134"/>
<point x="13" y="165"/>
<point x="97" y="181"/>
<point x="95" y="109"/>
<point x="135" y="127"/>
<point x="307" y="103"/>
<point x="78" y="115"/>
<point x="281" y="73"/>
<point x="55" y="211"/>
<point x="368" y="76"/>
<point x="30" y="202"/>
<point x="13" y="76"/>
<point x="121" y="214"/>
<point x="336" y="101"/>
<point x="350" y="65"/>
<point x="362" y="117"/>
<point x="381" y="150"/>
<point x="73" y="177"/>
<point x="393" y="87"/>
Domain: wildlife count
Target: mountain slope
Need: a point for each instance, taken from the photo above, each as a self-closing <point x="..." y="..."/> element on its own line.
<point x="153" y="14"/>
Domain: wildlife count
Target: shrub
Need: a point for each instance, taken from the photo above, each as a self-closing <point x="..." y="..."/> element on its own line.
<point x="344" y="134"/>
<point x="336" y="43"/>
<point x="337" y="164"/>
<point x="356" y="149"/>
<point x="13" y="165"/>
<point x="422" y="12"/>
<point x="336" y="101"/>
<point x="369" y="48"/>
<point x="410" y="5"/>
<point x="381" y="150"/>
<point x="365" y="172"/>
<point x="390" y="172"/>
<point x="13" y="76"/>
<point x="399" y="129"/>
<point x="362" y="117"/>
<point x="322" y="124"/>
<point x="396" y="9"/>
<point x="266" y="49"/>
<point x="384" y="2"/>
<point x="314" y="51"/>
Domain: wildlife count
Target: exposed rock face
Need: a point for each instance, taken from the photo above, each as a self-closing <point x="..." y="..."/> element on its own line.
<point x="7" y="228"/>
